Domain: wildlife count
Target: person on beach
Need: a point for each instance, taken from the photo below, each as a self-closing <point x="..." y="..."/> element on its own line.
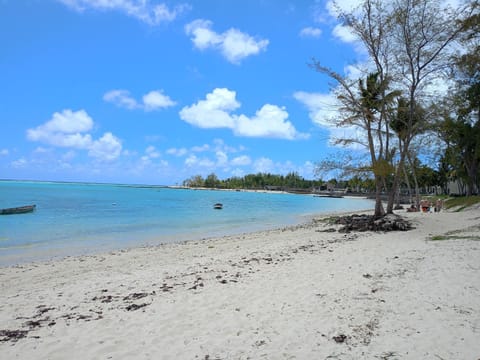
<point x="425" y="205"/>
<point x="412" y="208"/>
<point x="438" y="205"/>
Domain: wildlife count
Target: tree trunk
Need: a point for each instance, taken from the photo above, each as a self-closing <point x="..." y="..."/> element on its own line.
<point x="379" y="210"/>
<point x="415" y="181"/>
<point x="407" y="181"/>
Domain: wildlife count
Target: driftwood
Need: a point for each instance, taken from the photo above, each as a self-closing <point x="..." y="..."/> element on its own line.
<point x="371" y="223"/>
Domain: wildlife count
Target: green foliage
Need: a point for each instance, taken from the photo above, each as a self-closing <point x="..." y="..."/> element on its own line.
<point x="254" y="181"/>
<point x="457" y="235"/>
<point x="462" y="202"/>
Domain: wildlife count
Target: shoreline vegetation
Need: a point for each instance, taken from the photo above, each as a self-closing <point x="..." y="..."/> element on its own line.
<point x="307" y="291"/>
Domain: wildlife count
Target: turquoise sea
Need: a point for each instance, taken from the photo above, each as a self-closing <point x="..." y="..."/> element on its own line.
<point x="79" y="218"/>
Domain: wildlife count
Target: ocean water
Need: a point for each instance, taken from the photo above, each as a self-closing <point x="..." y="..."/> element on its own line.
<point x="77" y="218"/>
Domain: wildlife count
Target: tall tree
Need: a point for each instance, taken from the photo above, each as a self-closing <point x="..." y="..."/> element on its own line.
<point x="422" y="35"/>
<point x="460" y="126"/>
<point x="407" y="43"/>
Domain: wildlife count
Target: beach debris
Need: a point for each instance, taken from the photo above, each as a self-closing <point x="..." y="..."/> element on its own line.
<point x="165" y="287"/>
<point x="12" y="335"/>
<point x="340" y="338"/>
<point x="329" y="230"/>
<point x="363" y="222"/>
<point x="42" y="309"/>
<point x="32" y="324"/>
<point x="103" y="299"/>
<point x="134" y="307"/>
<point x="135" y="296"/>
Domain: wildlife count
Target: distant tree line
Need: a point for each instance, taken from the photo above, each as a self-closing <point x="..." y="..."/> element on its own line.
<point x="254" y="181"/>
<point x="426" y="177"/>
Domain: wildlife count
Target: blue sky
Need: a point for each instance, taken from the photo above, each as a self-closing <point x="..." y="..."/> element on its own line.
<point x="134" y="91"/>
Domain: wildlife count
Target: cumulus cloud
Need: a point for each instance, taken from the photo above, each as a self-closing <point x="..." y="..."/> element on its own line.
<point x="322" y="108"/>
<point x="323" y="111"/>
<point x="143" y="10"/>
<point x="233" y="44"/>
<point x="335" y="7"/>
<point x="242" y="160"/>
<point x="263" y="165"/>
<point x="121" y="98"/>
<point x="19" y="163"/>
<point x="202" y="148"/>
<point x="107" y="148"/>
<point x="70" y="129"/>
<point x="157" y="100"/>
<point x="154" y="100"/>
<point x="311" y="32"/>
<point x="152" y="152"/>
<point x="215" y="157"/>
<point x="64" y="129"/>
<point x="269" y="121"/>
<point x="345" y="34"/>
<point x="177" y="151"/>
<point x="194" y="161"/>
<point x="216" y="112"/>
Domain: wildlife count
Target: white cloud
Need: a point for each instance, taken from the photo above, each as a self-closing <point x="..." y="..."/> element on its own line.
<point x="157" y="100"/>
<point x="41" y="150"/>
<point x="322" y="108"/>
<point x="242" y="160"/>
<point x="323" y="111"/>
<point x="195" y="162"/>
<point x="335" y="7"/>
<point x="154" y="100"/>
<point x="345" y="34"/>
<point x="107" y="148"/>
<point x="69" y="155"/>
<point x="214" y="157"/>
<point x="269" y="121"/>
<point x="151" y="159"/>
<point x="204" y="147"/>
<point x="222" y="158"/>
<point x="20" y="163"/>
<point x="233" y="44"/>
<point x="70" y="129"/>
<point x="215" y="112"/>
<point x="177" y="152"/>
<point x="121" y="98"/>
<point x="64" y="129"/>
<point x="4" y="152"/>
<point x="311" y="32"/>
<point x="152" y="152"/>
<point x="143" y="10"/>
<point x="264" y="165"/>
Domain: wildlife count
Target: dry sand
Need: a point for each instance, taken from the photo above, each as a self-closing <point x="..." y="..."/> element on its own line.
<point x="295" y="293"/>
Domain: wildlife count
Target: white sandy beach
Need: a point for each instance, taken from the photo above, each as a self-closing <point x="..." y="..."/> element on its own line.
<point x="296" y="293"/>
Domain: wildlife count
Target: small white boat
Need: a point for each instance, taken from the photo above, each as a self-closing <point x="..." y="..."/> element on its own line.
<point x="218" y="206"/>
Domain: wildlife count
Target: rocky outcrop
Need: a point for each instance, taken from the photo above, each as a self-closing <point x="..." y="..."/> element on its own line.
<point x="389" y="222"/>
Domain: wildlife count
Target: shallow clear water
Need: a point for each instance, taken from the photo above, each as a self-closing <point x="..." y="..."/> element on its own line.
<point x="74" y="218"/>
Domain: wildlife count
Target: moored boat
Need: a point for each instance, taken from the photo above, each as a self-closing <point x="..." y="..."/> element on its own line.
<point x="218" y="206"/>
<point x="18" y="210"/>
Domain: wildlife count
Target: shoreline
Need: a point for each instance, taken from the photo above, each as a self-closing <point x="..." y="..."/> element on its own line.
<point x="107" y="244"/>
<point x="294" y="292"/>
